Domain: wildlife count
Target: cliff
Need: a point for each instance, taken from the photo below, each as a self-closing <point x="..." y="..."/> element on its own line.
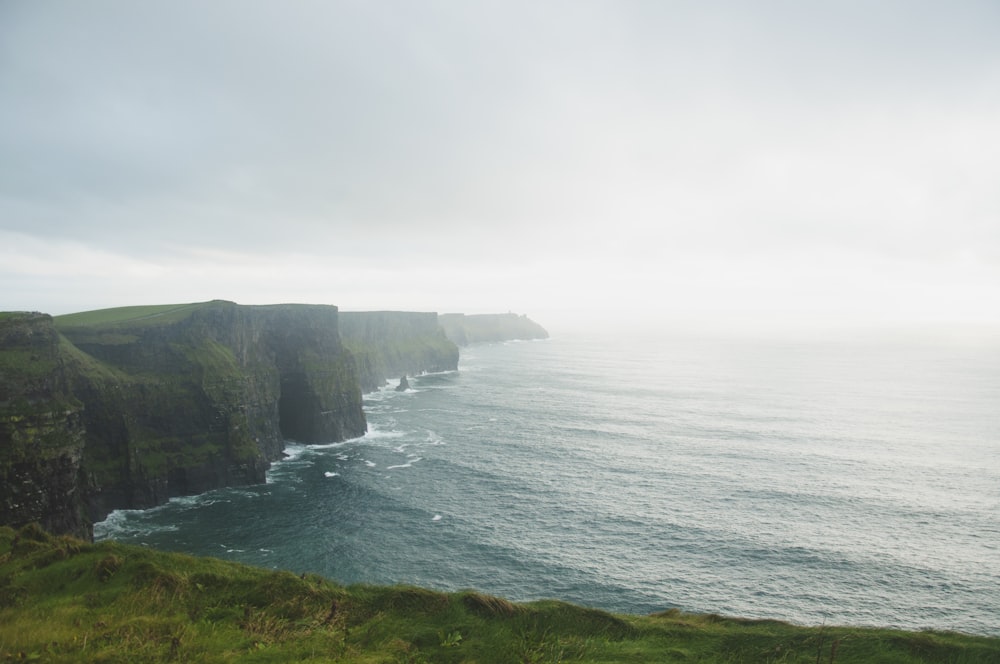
<point x="477" y="328"/>
<point x="41" y="428"/>
<point x="124" y="408"/>
<point x="390" y="344"/>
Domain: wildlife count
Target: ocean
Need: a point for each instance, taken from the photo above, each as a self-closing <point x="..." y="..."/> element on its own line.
<point x="852" y="481"/>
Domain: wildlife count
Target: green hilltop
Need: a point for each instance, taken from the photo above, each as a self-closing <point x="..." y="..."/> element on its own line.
<point x="156" y="314"/>
<point x="66" y="600"/>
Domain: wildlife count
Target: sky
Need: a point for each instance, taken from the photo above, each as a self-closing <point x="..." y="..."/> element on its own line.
<point x="787" y="164"/>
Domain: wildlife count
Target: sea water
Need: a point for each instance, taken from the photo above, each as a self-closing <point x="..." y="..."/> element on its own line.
<point x="840" y="482"/>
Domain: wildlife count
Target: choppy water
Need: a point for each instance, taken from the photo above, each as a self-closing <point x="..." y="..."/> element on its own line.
<point x="853" y="483"/>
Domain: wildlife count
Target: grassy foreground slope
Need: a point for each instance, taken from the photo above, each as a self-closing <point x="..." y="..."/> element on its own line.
<point x="64" y="600"/>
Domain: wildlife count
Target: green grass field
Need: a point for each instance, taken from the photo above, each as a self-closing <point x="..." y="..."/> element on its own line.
<point x="154" y="314"/>
<point x="63" y="600"/>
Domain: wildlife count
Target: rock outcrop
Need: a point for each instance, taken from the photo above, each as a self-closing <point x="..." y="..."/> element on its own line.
<point x="468" y="329"/>
<point x="125" y="408"/>
<point x="392" y="343"/>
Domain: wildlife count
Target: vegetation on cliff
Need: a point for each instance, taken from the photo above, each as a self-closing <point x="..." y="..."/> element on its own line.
<point x="65" y="600"/>
<point x="123" y="408"/>
<point x="41" y="428"/>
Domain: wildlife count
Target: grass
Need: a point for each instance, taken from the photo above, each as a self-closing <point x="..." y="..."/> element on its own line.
<point x="123" y="325"/>
<point x="63" y="600"/>
<point x="153" y="314"/>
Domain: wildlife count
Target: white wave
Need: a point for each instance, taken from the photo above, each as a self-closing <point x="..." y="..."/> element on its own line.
<point x="289" y="465"/>
<point x="292" y="452"/>
<point x="437" y="517"/>
<point x="187" y="502"/>
<point x="246" y="493"/>
<point x="331" y="474"/>
<point x="328" y="446"/>
<point x="127" y="523"/>
<point x="370" y="464"/>
<point x="374" y="433"/>
<point x="352" y="440"/>
<point x="408" y="464"/>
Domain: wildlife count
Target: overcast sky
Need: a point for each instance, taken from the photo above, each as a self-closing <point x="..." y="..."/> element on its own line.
<point x="740" y="163"/>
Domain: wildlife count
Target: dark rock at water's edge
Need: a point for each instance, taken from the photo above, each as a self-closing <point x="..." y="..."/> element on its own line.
<point x="465" y="329"/>
<point x="124" y="408"/>
<point x="390" y="343"/>
<point x="403" y="384"/>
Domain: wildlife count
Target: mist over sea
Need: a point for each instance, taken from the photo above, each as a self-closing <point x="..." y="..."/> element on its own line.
<point x="837" y="482"/>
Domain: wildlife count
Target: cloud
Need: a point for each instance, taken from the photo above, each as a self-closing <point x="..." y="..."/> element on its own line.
<point x="502" y="155"/>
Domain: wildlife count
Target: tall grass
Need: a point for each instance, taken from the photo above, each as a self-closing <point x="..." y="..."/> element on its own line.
<point x="62" y="600"/>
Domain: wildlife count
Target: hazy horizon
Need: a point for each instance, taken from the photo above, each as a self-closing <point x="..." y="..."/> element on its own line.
<point x="789" y="166"/>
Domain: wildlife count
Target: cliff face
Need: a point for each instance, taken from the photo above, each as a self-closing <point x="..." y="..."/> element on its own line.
<point x="390" y="344"/>
<point x="477" y="328"/>
<point x="41" y="429"/>
<point x="141" y="404"/>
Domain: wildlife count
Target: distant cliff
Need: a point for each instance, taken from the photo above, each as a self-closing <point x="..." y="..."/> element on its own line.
<point x="124" y="408"/>
<point x="391" y="344"/>
<point x="476" y="328"/>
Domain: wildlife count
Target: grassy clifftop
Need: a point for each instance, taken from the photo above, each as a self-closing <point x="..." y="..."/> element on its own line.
<point x="154" y="314"/>
<point x="64" y="600"/>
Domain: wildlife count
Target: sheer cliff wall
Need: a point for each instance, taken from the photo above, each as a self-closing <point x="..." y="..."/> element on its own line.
<point x="125" y="408"/>
<point x="41" y="428"/>
<point x="390" y="344"/>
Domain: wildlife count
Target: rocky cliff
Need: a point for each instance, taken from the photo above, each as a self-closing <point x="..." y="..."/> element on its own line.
<point x="391" y="344"/>
<point x="41" y="428"/>
<point x="477" y="328"/>
<point x="125" y="408"/>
